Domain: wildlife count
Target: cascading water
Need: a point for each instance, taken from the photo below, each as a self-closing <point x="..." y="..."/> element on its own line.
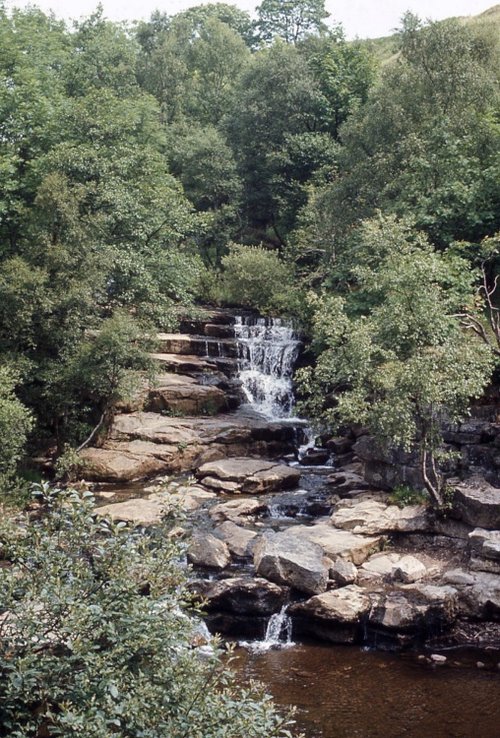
<point x="278" y="634"/>
<point x="268" y="349"/>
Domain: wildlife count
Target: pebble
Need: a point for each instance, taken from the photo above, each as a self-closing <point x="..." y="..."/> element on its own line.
<point x="438" y="658"/>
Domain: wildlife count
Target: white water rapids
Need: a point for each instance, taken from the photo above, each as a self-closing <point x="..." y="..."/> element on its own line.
<point x="268" y="349"/>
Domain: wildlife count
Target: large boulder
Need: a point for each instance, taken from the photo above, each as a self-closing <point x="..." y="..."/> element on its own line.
<point x="242" y="596"/>
<point x="247" y="475"/>
<point x="335" y="616"/>
<point x="372" y="517"/>
<point x="288" y="559"/>
<point x="415" y="610"/>
<point x="239" y="541"/>
<point x="143" y="511"/>
<point x="208" y="551"/>
<point x="478" y="504"/>
<point x="335" y="542"/>
<point x="185" y="396"/>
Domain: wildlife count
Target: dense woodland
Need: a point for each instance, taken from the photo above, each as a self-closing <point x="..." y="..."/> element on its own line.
<point x="203" y="158"/>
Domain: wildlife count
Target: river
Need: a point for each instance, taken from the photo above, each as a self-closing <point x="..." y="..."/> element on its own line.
<point x="347" y="692"/>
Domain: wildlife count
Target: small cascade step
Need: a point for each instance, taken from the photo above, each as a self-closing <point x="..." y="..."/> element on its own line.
<point x="217" y="323"/>
<point x="194" y="366"/>
<point x="191" y="345"/>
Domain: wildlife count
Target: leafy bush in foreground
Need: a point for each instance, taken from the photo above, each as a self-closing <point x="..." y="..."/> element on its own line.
<point x="94" y="640"/>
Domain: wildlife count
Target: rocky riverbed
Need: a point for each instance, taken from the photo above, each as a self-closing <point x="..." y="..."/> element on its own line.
<point x="319" y="533"/>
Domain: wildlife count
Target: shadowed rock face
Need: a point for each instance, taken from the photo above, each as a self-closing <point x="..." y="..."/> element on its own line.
<point x="242" y="596"/>
<point x="478" y="503"/>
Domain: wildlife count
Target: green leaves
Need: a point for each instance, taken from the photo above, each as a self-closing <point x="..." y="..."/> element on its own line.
<point x="84" y="652"/>
<point x="392" y="354"/>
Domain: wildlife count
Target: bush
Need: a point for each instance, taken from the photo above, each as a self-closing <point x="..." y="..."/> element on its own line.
<point x="254" y="277"/>
<point x="95" y="639"/>
<point x="15" y="424"/>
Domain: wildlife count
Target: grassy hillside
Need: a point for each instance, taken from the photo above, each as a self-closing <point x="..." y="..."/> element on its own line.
<point x="385" y="47"/>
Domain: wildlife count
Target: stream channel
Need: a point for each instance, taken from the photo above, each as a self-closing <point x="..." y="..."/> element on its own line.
<point x="347" y="691"/>
<point x="343" y="691"/>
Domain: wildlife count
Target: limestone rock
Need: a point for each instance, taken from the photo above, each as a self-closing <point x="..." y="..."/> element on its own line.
<point x="379" y="566"/>
<point x="132" y="461"/>
<point x="188" y="497"/>
<point x="288" y="559"/>
<point x="183" y="395"/>
<point x="343" y="572"/>
<point x="145" y="511"/>
<point x="240" y="541"/>
<point x="371" y="517"/>
<point x="485" y="550"/>
<point x="478" y="503"/>
<point x="409" y="569"/>
<point x="458" y="577"/>
<point x="335" y="615"/>
<point x="243" y="596"/>
<point x="423" y="609"/>
<point x="345" y="483"/>
<point x="314" y="457"/>
<point x="337" y="543"/>
<point x="481" y="600"/>
<point x="142" y="444"/>
<point x="237" y="511"/>
<point x="248" y="475"/>
<point x="207" y="550"/>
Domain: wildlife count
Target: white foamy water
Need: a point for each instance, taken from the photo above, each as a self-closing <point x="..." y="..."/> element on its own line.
<point x="278" y="634"/>
<point x="268" y="349"/>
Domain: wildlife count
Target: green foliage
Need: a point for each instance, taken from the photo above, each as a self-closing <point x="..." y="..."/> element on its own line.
<point x="15" y="424"/>
<point x="256" y="278"/>
<point x="97" y="638"/>
<point x="403" y="495"/>
<point x="392" y="354"/>
<point x="290" y="20"/>
<point x="426" y="143"/>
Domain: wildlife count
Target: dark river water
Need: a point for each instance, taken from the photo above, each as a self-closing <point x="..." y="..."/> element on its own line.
<point x="344" y="692"/>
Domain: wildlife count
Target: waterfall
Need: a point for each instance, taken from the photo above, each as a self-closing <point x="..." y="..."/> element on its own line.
<point x="278" y="634"/>
<point x="267" y="351"/>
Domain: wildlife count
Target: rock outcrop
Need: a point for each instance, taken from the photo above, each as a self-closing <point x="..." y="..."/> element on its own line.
<point x="288" y="559"/>
<point x="247" y="475"/>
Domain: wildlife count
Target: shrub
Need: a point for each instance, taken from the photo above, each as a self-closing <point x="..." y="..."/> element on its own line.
<point x="95" y="639"/>
<point x="254" y="277"/>
<point x="15" y="424"/>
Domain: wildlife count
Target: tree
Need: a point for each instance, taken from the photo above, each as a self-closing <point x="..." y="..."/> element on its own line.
<point x="290" y="20"/>
<point x="203" y="162"/>
<point x="276" y="99"/>
<point x="15" y="424"/>
<point x="426" y="142"/>
<point x="193" y="67"/>
<point x="98" y="636"/>
<point x="392" y="354"/>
